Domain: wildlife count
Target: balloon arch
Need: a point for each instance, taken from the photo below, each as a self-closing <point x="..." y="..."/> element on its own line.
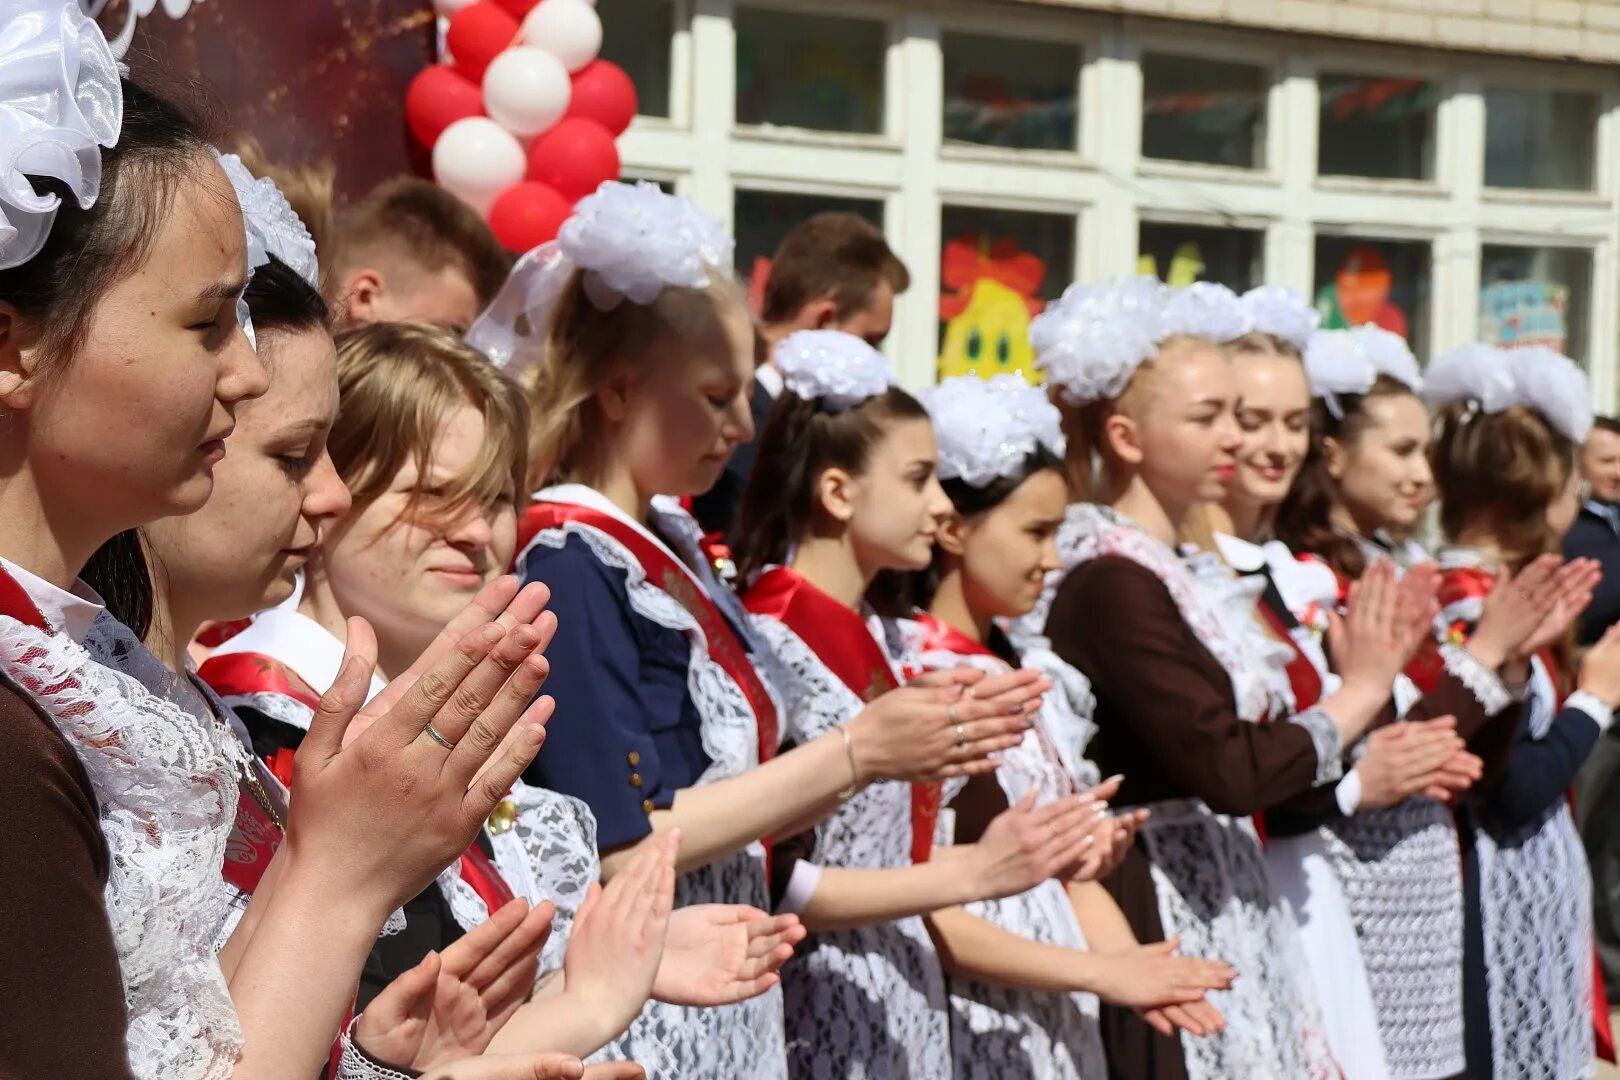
<point x="521" y="114"/>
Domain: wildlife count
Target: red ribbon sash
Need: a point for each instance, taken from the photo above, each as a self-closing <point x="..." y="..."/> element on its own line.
<point x="1303" y="678"/>
<point x="664" y="571"/>
<point x="242" y="674"/>
<point x="841" y="639"/>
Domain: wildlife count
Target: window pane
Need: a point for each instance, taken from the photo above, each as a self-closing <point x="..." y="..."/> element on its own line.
<point x="809" y="71"/>
<point x="1183" y="254"/>
<point x="1000" y="92"/>
<point x="763" y="220"/>
<point x="998" y="269"/>
<point x="1203" y="110"/>
<point x="1535" y="296"/>
<point x="1539" y="139"/>
<point x="1377" y="127"/>
<point x="1374" y="281"/>
<point x="636" y="35"/>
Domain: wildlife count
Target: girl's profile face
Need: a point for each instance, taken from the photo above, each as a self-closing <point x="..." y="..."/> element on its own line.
<point x="1383" y="475"/>
<point x="688" y="408"/>
<point x="895" y="503"/>
<point x="1187" y="427"/>
<point x="1007" y="551"/>
<point x="132" y="425"/>
<point x="1274" y="414"/>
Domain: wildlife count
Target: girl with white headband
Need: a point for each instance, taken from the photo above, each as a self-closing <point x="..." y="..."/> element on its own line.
<point x="1025" y="973"/>
<point x="120" y="274"/>
<point x="1183" y="693"/>
<point x="844" y="488"/>
<point x="1512" y="422"/>
<point x="640" y="352"/>
<point x="1366" y="478"/>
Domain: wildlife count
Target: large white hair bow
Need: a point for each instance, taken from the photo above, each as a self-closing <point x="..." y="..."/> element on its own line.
<point x="1207" y="309"/>
<point x="273" y="228"/>
<point x="836" y="368"/>
<point x="631" y="241"/>
<point x="1091" y="340"/>
<point x="1282" y="313"/>
<point x="1340" y="362"/>
<point x="987" y="428"/>
<point x="1493" y="380"/>
<point x="60" y="102"/>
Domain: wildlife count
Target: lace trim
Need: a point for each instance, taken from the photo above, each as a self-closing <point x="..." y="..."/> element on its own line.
<point x="1328" y="742"/>
<point x="730" y="731"/>
<point x="278" y="707"/>
<point x="355" y="1064"/>
<point x="1481" y="681"/>
<point x="167" y="795"/>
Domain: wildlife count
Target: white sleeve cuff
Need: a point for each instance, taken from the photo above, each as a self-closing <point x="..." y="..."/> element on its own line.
<point x="1486" y="686"/>
<point x="1592" y="706"/>
<point x="801" y="887"/>
<point x="354" y="1064"/>
<point x="1348" y="793"/>
<point x="1327" y="741"/>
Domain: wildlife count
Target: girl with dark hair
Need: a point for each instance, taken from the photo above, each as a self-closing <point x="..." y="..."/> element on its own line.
<point x="639" y="351"/>
<point x="1025" y="972"/>
<point x="1190" y="699"/>
<point x="1511" y="425"/>
<point x="118" y="314"/>
<point x="1365" y="476"/>
<point x="852" y="459"/>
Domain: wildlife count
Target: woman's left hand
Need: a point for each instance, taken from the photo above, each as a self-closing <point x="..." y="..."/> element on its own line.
<point x="1574" y="583"/>
<point x="450" y="1005"/>
<point x="720" y="954"/>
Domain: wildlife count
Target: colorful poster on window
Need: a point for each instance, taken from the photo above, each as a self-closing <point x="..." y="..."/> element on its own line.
<point x="989" y="294"/>
<point x="1360" y="293"/>
<point x="1524" y="313"/>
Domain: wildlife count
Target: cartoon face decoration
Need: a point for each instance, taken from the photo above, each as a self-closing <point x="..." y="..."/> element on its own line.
<point x="987" y="315"/>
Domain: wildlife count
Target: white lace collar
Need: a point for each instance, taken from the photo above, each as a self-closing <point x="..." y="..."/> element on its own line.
<point x="301" y="643"/>
<point x="71" y="613"/>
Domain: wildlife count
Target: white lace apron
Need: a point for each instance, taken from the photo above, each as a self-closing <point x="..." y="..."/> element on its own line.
<point x="746" y="1039"/>
<point x="866" y="1003"/>
<point x="995" y="1029"/>
<point x="166" y="787"/>
<point x="1213" y="886"/>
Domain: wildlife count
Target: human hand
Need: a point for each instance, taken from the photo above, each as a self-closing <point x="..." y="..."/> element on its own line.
<point x="1403" y="759"/>
<point x="1197" y="1018"/>
<point x="535" y="1067"/>
<point x="451" y="1005"/>
<point x="1152" y="977"/>
<point x="922" y="733"/>
<point x="617" y="940"/>
<point x="1025" y="845"/>
<point x="414" y="800"/>
<point x="1515" y="607"/>
<point x="1368" y="642"/>
<point x="1573" y="584"/>
<point x="720" y="954"/>
<point x="1600" y="668"/>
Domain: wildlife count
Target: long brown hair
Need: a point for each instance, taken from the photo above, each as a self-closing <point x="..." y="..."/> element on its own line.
<point x="1304" y="521"/>
<point x="1498" y="473"/>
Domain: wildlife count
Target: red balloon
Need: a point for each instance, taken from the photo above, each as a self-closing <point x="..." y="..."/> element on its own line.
<point x="575" y="157"/>
<point x="518" y="8"/>
<point x="478" y="34"/>
<point x="527" y="215"/>
<point x="604" y="93"/>
<point x="438" y="97"/>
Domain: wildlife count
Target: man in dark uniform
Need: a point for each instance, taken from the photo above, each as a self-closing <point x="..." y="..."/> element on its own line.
<point x="833" y="272"/>
<point x="1596" y="535"/>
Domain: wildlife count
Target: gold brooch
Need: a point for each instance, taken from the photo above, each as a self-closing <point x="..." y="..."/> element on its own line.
<point x="503" y="817"/>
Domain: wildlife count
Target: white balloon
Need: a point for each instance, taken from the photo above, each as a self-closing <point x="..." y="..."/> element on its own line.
<point x="448" y="8"/>
<point x="526" y="90"/>
<point x="476" y="159"/>
<point x="570" y="30"/>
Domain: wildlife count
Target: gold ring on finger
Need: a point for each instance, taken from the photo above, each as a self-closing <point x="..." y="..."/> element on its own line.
<point x="961" y="736"/>
<point x="950" y="714"/>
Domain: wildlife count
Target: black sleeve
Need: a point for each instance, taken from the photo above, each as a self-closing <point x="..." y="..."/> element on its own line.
<point x="61" y="997"/>
<point x="1540" y="771"/>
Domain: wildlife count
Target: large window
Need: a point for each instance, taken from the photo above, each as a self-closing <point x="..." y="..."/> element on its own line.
<point x="1001" y="92"/>
<point x="997" y="270"/>
<point x="1384" y="282"/>
<point x="764" y="218"/>
<point x="810" y="71"/>
<point x="1535" y="296"/>
<point x="1378" y="127"/>
<point x="1203" y="110"/>
<point x="1183" y="254"/>
<point x="636" y="35"/>
<point x="1540" y="139"/>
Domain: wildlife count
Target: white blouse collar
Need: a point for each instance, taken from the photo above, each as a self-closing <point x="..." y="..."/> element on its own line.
<point x="67" y="612"/>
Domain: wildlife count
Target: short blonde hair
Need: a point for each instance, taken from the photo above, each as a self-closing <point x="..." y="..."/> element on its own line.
<point x="397" y="382"/>
<point x="585" y="346"/>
